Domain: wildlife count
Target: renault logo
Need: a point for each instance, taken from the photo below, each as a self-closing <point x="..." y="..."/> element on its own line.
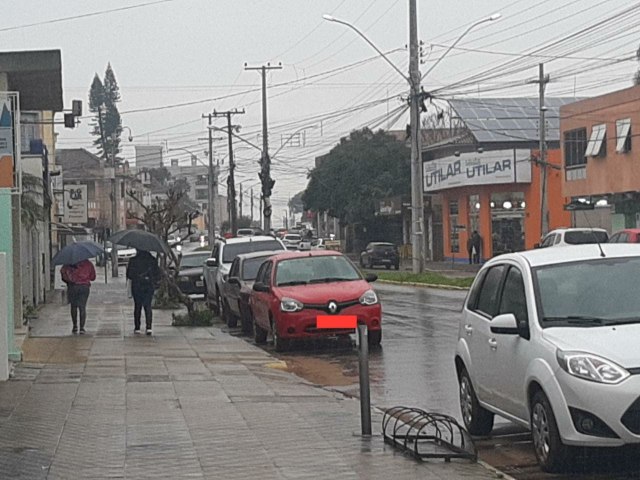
<point x="333" y="307"/>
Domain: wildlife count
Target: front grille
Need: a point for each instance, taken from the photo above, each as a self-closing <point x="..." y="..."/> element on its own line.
<point x="324" y="307"/>
<point x="631" y="418"/>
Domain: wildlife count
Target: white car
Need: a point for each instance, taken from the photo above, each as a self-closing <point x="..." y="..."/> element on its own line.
<point x="549" y="340"/>
<point x="291" y="241"/>
<point x="561" y="237"/>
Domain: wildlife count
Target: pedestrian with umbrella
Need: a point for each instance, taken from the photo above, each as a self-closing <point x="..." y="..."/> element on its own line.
<point x="78" y="273"/>
<point x="143" y="272"/>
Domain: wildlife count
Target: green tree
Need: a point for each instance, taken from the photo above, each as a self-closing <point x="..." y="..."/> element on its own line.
<point x="358" y="172"/>
<point x="295" y="204"/>
<point x="104" y="97"/>
<point x="243" y="222"/>
<point x="96" y="105"/>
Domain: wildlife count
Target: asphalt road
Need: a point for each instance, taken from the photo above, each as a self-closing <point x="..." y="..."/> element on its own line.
<point x="414" y="367"/>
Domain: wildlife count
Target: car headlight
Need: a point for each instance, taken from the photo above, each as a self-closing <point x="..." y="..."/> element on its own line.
<point x="290" y="305"/>
<point x="591" y="367"/>
<point x="369" y="298"/>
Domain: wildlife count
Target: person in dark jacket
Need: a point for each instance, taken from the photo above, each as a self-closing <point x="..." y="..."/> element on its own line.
<point x="78" y="278"/>
<point x="143" y="273"/>
<point x="476" y="246"/>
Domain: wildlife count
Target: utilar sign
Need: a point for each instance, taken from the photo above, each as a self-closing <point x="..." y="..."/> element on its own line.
<point x="468" y="169"/>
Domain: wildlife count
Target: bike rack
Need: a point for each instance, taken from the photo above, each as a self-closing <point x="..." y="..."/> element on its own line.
<point x="426" y="435"/>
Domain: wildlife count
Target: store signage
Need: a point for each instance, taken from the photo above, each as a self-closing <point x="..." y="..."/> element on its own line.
<point x="487" y="168"/>
<point x="75" y="204"/>
<point x="6" y="141"/>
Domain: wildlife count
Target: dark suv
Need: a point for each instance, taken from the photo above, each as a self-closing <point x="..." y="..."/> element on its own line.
<point x="380" y="253"/>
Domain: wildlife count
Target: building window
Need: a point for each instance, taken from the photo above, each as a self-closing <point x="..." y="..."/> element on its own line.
<point x="597" y="146"/>
<point x="575" y="146"/>
<point x="623" y="134"/>
<point x="29" y="130"/>
<point x="454" y="239"/>
<point x="202" y="194"/>
<point x="474" y="213"/>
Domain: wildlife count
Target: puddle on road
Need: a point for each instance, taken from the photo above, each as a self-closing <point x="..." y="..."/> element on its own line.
<point x="322" y="371"/>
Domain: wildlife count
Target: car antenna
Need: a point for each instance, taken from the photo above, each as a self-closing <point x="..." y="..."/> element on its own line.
<point x="594" y="235"/>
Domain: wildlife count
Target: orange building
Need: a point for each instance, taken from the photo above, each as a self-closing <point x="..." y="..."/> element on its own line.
<point x="599" y="152"/>
<point x="487" y="178"/>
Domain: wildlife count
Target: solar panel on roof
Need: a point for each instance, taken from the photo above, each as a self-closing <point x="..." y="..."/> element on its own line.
<point x="509" y="119"/>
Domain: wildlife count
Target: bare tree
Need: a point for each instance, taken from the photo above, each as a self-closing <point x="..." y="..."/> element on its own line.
<point x="163" y="217"/>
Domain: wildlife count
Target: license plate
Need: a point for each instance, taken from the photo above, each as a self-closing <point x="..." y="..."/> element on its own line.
<point x="199" y="284"/>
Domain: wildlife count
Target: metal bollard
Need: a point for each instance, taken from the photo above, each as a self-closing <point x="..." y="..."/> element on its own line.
<point x="365" y="394"/>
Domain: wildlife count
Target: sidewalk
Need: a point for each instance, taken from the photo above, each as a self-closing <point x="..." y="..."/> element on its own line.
<point x="183" y="403"/>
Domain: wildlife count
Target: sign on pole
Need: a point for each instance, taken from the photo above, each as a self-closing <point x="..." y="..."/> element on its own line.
<point x="75" y="204"/>
<point x="6" y="142"/>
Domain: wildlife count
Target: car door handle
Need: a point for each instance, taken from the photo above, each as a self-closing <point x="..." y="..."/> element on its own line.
<point x="468" y="329"/>
<point x="493" y="344"/>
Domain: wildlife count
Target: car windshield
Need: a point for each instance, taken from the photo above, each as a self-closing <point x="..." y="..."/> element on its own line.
<point x="293" y="237"/>
<point x="579" y="237"/>
<point x="245" y="231"/>
<point x="384" y="248"/>
<point x="320" y="269"/>
<point x="232" y="250"/>
<point x="193" y="261"/>
<point x="250" y="267"/>
<point x="589" y="293"/>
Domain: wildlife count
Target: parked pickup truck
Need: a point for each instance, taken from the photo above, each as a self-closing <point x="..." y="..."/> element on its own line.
<point x="216" y="268"/>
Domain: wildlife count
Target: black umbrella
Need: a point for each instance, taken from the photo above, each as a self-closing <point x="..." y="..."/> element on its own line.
<point x="77" y="252"/>
<point x="140" y="240"/>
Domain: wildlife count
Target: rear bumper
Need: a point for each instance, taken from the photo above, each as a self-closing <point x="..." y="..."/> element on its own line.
<point x="302" y="324"/>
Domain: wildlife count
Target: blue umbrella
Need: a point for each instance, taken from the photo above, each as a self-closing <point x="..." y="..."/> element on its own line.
<point x="77" y="252"/>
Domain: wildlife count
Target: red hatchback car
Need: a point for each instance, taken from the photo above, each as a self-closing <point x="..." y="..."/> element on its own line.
<point x="629" y="235"/>
<point x="293" y="288"/>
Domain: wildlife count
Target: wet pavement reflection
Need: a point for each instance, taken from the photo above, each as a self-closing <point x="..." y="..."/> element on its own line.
<point x="414" y="367"/>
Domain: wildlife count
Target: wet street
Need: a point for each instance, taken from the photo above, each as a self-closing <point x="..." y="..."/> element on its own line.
<point x="414" y="367"/>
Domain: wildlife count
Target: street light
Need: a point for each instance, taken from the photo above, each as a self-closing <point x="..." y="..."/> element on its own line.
<point x="413" y="79"/>
<point x="492" y="18"/>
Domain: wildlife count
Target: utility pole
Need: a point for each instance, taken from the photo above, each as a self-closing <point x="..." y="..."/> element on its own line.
<point x="231" y="186"/>
<point x="240" y="199"/>
<point x="260" y="210"/>
<point x="542" y="162"/>
<point x="265" y="161"/>
<point x="251" y="205"/>
<point x="417" y="204"/>
<point x="213" y="186"/>
<point x="114" y="192"/>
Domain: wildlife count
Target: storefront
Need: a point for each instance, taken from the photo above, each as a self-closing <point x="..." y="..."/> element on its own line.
<point x="497" y="194"/>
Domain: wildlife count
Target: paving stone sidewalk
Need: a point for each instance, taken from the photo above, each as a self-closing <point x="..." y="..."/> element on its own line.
<point x="184" y="403"/>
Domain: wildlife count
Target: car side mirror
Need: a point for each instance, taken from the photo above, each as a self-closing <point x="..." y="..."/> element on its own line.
<point x="260" y="287"/>
<point x="225" y="278"/>
<point x="505" y="324"/>
<point x="211" y="262"/>
<point x="234" y="281"/>
<point x="371" y="277"/>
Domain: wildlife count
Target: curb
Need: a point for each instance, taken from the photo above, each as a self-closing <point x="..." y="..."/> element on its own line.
<point x="429" y="285"/>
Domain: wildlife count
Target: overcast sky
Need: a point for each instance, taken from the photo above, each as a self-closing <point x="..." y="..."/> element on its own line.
<point x="193" y="51"/>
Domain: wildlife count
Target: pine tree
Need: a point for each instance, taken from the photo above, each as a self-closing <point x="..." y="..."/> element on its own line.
<point x="96" y="102"/>
<point x="112" y="122"/>
<point x="104" y="97"/>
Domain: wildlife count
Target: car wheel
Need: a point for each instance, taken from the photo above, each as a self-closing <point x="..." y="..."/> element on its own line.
<point x="260" y="334"/>
<point x="374" y="338"/>
<point x="478" y="420"/>
<point x="279" y="344"/>
<point x="246" y="321"/>
<point x="227" y="316"/>
<point x="552" y="454"/>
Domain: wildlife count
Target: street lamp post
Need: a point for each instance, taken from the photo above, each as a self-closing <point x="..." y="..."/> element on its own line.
<point x="414" y="78"/>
